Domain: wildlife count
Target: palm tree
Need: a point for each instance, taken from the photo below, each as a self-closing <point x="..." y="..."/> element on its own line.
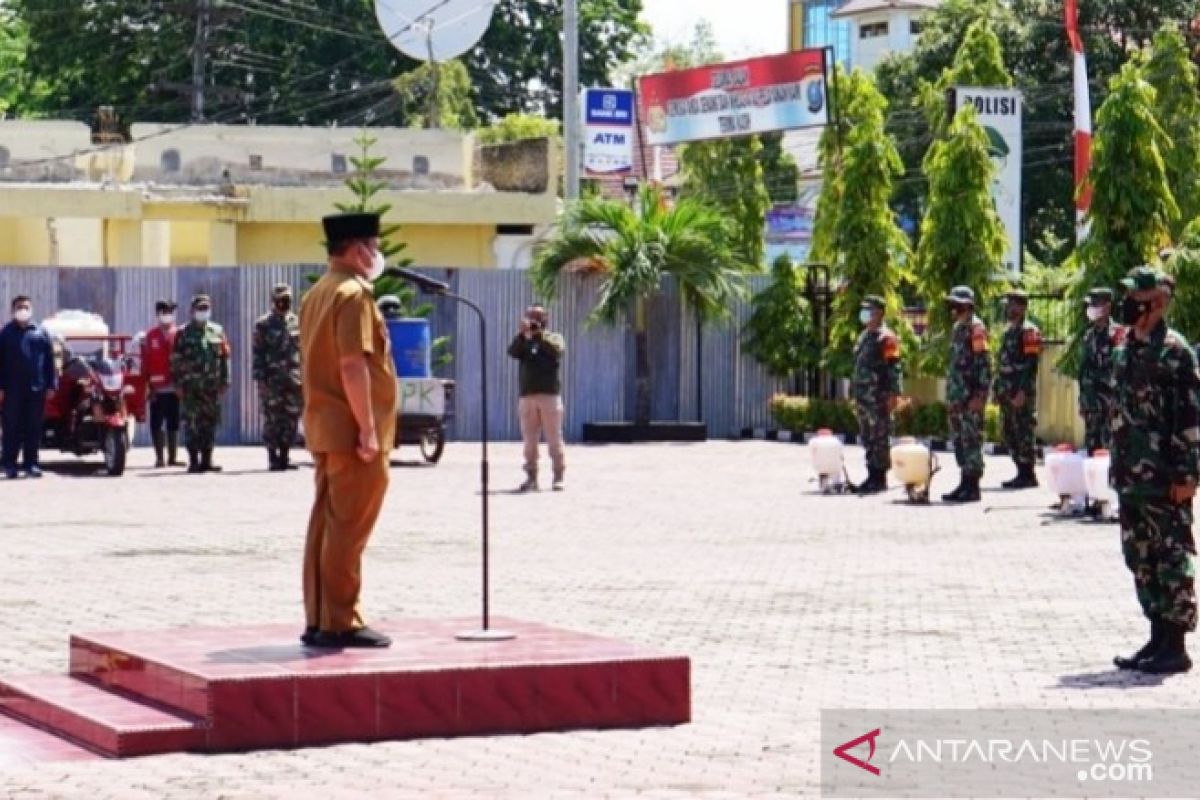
<point x="634" y="249"/>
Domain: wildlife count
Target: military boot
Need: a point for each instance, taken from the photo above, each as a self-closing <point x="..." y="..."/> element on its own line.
<point x="273" y="460"/>
<point x="1171" y="656"/>
<point x="875" y="483"/>
<point x="1148" y="649"/>
<point x="952" y="497"/>
<point x="193" y="460"/>
<point x="285" y="459"/>
<point x="206" y="462"/>
<point x="1026" y="478"/>
<point x="159" y="445"/>
<point x="173" y="449"/>
<point x="531" y="481"/>
<point x="968" y="492"/>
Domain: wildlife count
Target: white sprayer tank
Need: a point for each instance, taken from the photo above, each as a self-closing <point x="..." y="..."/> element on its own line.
<point x="911" y="462"/>
<point x="1064" y="470"/>
<point x="1095" y="477"/>
<point x="826" y="452"/>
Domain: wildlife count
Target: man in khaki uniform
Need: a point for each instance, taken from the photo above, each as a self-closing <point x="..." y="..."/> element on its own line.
<point x="349" y="424"/>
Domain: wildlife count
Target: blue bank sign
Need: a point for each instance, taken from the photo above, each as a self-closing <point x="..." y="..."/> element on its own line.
<point x="608" y="131"/>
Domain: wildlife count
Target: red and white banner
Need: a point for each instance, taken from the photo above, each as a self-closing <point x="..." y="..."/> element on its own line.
<point x="736" y="99"/>
<point x="1083" y="120"/>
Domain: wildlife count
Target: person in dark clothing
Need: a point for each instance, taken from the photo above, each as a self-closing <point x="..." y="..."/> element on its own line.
<point x="540" y="354"/>
<point x="26" y="374"/>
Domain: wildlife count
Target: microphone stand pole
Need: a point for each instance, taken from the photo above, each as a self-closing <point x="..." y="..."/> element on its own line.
<point x="486" y="633"/>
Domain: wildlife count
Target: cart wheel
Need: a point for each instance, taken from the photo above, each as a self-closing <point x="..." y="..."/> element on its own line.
<point x="433" y="443"/>
<point x="116" y="446"/>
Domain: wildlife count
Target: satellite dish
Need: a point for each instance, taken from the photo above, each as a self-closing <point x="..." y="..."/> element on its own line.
<point x="434" y="30"/>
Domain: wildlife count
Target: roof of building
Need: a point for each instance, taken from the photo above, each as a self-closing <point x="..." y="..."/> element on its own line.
<point x="856" y="7"/>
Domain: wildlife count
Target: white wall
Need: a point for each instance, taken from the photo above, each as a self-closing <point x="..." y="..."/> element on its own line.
<point x="869" y="52"/>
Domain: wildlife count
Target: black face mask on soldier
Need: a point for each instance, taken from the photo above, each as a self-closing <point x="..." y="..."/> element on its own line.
<point x="1132" y="310"/>
<point x="283" y="306"/>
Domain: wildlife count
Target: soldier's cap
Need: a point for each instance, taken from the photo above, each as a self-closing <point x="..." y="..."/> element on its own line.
<point x="874" y="301"/>
<point x="201" y="300"/>
<point x="165" y="305"/>
<point x="281" y="291"/>
<point x="1017" y="296"/>
<point x="1101" y="294"/>
<point x="964" y="295"/>
<point x="343" y="227"/>
<point x="1145" y="278"/>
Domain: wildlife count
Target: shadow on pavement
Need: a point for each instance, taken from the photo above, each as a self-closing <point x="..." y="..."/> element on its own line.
<point x="1110" y="679"/>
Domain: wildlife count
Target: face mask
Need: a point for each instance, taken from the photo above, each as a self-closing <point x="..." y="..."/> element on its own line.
<point x="202" y="316"/>
<point x="166" y="319"/>
<point x="283" y="306"/>
<point x="864" y="316"/>
<point x="1095" y="313"/>
<point x="378" y="265"/>
<point x="23" y="315"/>
<point x="1014" y="314"/>
<point x="1132" y="310"/>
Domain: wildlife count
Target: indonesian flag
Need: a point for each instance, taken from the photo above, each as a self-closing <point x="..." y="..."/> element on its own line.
<point x="1083" y="120"/>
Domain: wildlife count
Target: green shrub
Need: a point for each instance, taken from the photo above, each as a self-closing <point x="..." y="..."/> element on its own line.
<point x="790" y="413"/>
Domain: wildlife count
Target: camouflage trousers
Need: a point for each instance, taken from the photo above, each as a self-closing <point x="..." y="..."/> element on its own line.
<point x="1159" y="549"/>
<point x="966" y="434"/>
<point x="201" y="412"/>
<point x="875" y="430"/>
<point x="1019" y="429"/>
<point x="281" y="416"/>
<point x="1097" y="429"/>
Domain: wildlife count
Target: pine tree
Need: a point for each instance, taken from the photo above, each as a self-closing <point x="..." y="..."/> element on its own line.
<point x="1133" y="208"/>
<point x="1177" y="107"/>
<point x="872" y="253"/>
<point x="979" y="62"/>
<point x="962" y="236"/>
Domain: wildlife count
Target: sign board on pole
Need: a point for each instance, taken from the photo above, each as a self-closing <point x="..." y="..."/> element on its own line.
<point x="740" y="98"/>
<point x="1000" y="114"/>
<point x="608" y="121"/>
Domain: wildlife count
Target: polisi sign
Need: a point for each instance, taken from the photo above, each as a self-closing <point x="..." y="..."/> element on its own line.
<point x="1000" y="112"/>
<point x="608" y="120"/>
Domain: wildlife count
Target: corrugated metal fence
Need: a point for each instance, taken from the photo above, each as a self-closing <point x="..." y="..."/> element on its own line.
<point x="598" y="377"/>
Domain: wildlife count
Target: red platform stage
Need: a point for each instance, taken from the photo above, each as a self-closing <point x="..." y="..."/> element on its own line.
<point x="228" y="689"/>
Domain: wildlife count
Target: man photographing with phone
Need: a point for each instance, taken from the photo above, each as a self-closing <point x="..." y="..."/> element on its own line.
<point x="540" y="353"/>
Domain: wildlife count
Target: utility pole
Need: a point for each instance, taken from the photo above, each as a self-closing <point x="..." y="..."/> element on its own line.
<point x="200" y="58"/>
<point x="571" y="115"/>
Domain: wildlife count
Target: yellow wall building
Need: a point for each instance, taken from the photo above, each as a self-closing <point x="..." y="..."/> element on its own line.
<point x="211" y="195"/>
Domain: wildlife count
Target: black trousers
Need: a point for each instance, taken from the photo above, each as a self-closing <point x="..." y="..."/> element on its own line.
<point x="23" y="415"/>
<point x="164" y="410"/>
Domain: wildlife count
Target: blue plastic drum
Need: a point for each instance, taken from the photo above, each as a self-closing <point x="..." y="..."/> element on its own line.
<point x="412" y="347"/>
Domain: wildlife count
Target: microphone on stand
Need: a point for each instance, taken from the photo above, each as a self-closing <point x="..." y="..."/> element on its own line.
<point x="423" y="282"/>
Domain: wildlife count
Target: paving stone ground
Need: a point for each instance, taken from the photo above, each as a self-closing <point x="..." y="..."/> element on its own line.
<point x="787" y="601"/>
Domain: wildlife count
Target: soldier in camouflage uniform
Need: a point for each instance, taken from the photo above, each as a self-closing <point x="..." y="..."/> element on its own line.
<point x="277" y="376"/>
<point x="1155" y="467"/>
<point x="200" y="370"/>
<point x="876" y="391"/>
<point x="968" y="378"/>
<point x="1097" y="385"/>
<point x="1015" y="389"/>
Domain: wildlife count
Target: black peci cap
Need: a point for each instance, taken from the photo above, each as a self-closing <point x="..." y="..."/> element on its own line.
<point x="344" y="227"/>
<point x="165" y="306"/>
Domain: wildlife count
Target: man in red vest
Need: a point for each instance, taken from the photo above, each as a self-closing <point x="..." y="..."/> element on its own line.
<point x="157" y="346"/>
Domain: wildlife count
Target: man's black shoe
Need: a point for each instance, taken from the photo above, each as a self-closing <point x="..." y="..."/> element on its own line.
<point x="12" y="473"/>
<point x="1148" y="649"/>
<point x="34" y="471"/>
<point x="309" y="637"/>
<point x="362" y="637"/>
